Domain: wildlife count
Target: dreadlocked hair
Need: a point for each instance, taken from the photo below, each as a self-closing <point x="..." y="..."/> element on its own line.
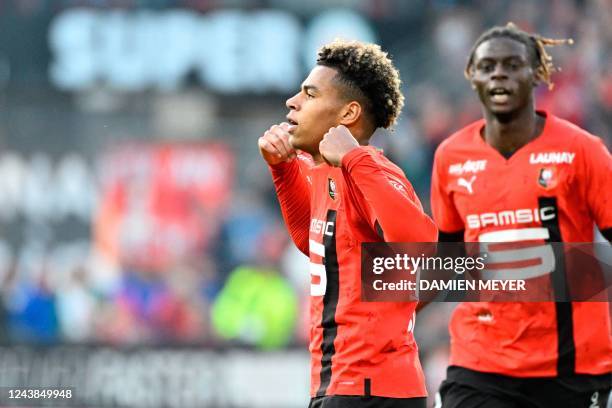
<point x="541" y="61"/>
<point x="368" y="76"/>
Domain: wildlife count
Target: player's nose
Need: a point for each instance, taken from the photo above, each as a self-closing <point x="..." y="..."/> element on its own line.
<point x="292" y="103"/>
<point x="499" y="72"/>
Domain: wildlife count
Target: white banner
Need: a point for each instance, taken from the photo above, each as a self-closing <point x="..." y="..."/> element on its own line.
<point x="161" y="377"/>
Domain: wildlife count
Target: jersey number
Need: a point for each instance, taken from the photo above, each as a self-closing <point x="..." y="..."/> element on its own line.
<point x="540" y="253"/>
<point x="317" y="270"/>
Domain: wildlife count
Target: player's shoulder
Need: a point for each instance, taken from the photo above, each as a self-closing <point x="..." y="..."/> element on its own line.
<point x="459" y="146"/>
<point x="566" y="132"/>
<point x="385" y="162"/>
<point x="460" y="139"/>
<point x="395" y="175"/>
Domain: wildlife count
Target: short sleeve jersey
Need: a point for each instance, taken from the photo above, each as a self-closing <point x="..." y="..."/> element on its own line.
<point x="556" y="188"/>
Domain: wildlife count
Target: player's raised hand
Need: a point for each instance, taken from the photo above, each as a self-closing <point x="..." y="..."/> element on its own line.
<point x="337" y="142"/>
<point x="274" y="145"/>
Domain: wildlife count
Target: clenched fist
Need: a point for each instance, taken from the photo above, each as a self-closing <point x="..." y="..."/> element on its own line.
<point x="274" y="145"/>
<point x="337" y="142"/>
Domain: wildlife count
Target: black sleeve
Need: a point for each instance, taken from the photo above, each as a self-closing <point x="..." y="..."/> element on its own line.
<point x="451" y="236"/>
<point x="455" y="250"/>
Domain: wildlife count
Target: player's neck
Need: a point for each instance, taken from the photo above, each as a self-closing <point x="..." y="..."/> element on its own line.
<point x="318" y="159"/>
<point x="508" y="134"/>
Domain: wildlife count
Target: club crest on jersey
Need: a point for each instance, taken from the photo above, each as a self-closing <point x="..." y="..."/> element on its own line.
<point x="331" y="187"/>
<point x="547" y="177"/>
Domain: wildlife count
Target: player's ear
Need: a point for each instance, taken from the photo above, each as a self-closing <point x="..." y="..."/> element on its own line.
<point x="469" y="75"/>
<point x="472" y="82"/>
<point x="350" y="113"/>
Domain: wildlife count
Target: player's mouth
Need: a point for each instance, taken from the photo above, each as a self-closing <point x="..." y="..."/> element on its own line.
<point x="292" y="124"/>
<point x="500" y="95"/>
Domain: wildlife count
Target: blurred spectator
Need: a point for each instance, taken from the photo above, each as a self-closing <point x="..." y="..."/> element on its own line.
<point x="256" y="307"/>
<point x="76" y="306"/>
<point x="33" y="313"/>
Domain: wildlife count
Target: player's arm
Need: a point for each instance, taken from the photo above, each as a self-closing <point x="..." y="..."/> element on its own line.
<point x="445" y="214"/>
<point x="291" y="186"/>
<point x="458" y="251"/>
<point x="597" y="165"/>
<point x="393" y="207"/>
<point x="443" y="208"/>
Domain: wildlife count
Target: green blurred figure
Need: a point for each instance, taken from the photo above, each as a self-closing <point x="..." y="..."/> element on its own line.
<point x="256" y="306"/>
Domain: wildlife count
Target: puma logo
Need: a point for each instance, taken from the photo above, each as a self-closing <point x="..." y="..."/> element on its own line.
<point x="467" y="184"/>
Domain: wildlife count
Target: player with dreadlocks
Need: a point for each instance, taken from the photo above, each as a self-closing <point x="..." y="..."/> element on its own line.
<point x="335" y="192"/>
<point x="520" y="174"/>
<point x="536" y="45"/>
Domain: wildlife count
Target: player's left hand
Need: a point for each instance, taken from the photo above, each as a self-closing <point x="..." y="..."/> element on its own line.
<point x="337" y="142"/>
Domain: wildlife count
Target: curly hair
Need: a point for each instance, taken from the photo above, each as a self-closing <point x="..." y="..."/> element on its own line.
<point x="368" y="76"/>
<point x="535" y="43"/>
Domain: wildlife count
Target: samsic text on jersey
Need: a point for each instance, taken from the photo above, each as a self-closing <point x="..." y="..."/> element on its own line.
<point x="553" y="189"/>
<point x="357" y="348"/>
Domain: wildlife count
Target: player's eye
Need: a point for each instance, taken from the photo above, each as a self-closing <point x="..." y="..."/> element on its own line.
<point x="485" y="67"/>
<point x="514" y="65"/>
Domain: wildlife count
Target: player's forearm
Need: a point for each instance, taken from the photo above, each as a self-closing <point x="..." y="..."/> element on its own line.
<point x="399" y="217"/>
<point x="294" y="198"/>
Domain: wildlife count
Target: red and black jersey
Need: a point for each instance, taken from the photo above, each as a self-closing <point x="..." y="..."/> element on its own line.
<point x="357" y="348"/>
<point x="554" y="188"/>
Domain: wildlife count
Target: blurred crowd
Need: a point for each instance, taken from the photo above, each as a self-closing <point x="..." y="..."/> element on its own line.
<point x="245" y="283"/>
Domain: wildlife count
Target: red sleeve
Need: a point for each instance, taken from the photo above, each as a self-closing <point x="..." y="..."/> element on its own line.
<point x="293" y="194"/>
<point x="597" y="165"/>
<point x="442" y="207"/>
<point x="393" y="208"/>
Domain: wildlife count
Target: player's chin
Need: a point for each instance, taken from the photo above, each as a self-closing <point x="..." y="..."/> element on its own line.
<point x="295" y="142"/>
<point x="502" y="109"/>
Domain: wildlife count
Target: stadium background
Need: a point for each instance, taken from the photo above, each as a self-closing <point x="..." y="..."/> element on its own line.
<point x="143" y="260"/>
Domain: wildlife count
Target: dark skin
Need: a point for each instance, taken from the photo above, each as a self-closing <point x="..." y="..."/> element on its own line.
<point x="504" y="79"/>
<point x="503" y="66"/>
<point x="511" y="121"/>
